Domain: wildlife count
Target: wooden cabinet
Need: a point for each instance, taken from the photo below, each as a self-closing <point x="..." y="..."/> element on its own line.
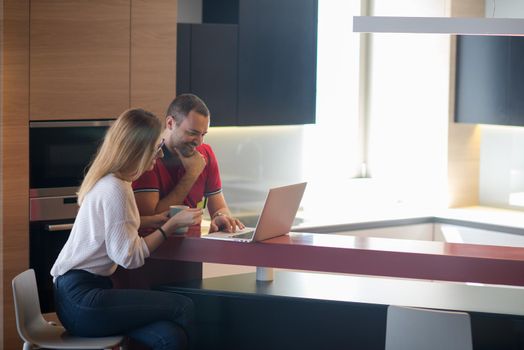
<point x="153" y="54"/>
<point x="490" y="80"/>
<point x="92" y="59"/>
<point x="79" y="60"/>
<point x="14" y="164"/>
<point x="261" y="71"/>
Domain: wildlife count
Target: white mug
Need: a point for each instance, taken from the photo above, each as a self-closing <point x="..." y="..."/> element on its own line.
<point x="173" y="210"/>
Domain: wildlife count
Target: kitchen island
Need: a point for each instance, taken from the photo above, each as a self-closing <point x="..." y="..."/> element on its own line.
<point x="301" y="310"/>
<point x="349" y="310"/>
<point x="360" y="255"/>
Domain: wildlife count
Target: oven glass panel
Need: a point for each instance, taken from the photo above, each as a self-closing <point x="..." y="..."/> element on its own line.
<point x="59" y="156"/>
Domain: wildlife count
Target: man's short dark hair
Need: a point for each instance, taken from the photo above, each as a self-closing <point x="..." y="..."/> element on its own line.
<point x="185" y="103"/>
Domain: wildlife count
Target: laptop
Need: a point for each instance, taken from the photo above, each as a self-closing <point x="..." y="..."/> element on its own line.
<point x="275" y="220"/>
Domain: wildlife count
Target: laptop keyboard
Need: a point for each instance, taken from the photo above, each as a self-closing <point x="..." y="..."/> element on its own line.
<point x="248" y="234"/>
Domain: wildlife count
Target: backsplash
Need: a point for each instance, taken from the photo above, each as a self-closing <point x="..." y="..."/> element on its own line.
<point x="253" y="159"/>
<point x="501" y="180"/>
<point x="502" y="167"/>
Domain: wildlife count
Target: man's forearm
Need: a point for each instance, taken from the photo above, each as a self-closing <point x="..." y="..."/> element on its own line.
<point x="178" y="193"/>
<point x="220" y="211"/>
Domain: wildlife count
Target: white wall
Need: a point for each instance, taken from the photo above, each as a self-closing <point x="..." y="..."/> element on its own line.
<point x="189" y="11"/>
<point x="408" y="100"/>
<point x="408" y="113"/>
<point x="501" y="166"/>
<point x="502" y="148"/>
<point x="253" y="159"/>
<point x="505" y="8"/>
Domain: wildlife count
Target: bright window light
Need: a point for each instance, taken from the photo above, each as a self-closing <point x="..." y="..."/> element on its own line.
<point x="331" y="146"/>
<point x="408" y="109"/>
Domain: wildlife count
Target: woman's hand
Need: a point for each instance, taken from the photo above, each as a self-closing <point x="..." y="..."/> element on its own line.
<point x="186" y="217"/>
<point x="183" y="218"/>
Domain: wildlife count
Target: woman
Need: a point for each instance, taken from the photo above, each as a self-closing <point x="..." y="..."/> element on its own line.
<point x="105" y="234"/>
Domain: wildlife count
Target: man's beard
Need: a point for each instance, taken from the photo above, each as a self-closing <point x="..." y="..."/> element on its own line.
<point x="187" y="149"/>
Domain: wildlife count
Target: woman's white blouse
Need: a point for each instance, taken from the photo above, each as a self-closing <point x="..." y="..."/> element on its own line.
<point x="105" y="232"/>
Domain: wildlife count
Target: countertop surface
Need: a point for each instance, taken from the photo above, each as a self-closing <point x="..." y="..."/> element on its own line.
<point x="314" y="250"/>
<point x="504" y="220"/>
<point x="403" y="258"/>
<point x="420" y="273"/>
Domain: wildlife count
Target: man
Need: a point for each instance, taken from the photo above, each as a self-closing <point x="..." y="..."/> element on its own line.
<point x="188" y="173"/>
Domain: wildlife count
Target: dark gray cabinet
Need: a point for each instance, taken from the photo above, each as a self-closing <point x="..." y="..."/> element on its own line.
<point x="516" y="77"/>
<point x="490" y="80"/>
<point x="296" y="311"/>
<point x="183" y="58"/>
<point x="259" y="71"/>
<point x="207" y="67"/>
<point x="277" y="62"/>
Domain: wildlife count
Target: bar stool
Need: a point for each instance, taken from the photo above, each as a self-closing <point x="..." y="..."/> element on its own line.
<point x="36" y="332"/>
<point x="427" y="329"/>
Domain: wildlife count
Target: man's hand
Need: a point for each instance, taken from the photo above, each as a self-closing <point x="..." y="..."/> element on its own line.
<point x="226" y="224"/>
<point x="193" y="164"/>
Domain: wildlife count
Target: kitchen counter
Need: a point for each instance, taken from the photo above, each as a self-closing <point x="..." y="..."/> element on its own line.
<point x="360" y="255"/>
<point x="428" y="271"/>
<point x="495" y="219"/>
<point x="317" y="251"/>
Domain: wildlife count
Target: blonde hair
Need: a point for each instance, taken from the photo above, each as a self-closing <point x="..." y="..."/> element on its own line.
<point x="128" y="149"/>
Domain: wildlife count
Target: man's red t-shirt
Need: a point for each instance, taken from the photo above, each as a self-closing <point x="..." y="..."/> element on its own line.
<point x="168" y="171"/>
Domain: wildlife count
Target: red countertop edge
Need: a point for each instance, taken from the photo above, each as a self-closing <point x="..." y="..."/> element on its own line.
<point x="360" y="255"/>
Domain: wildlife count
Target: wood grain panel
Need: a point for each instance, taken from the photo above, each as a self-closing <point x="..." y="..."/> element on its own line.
<point x="153" y="54"/>
<point x="79" y="58"/>
<point x="15" y="158"/>
<point x="1" y="162"/>
<point x="466" y="8"/>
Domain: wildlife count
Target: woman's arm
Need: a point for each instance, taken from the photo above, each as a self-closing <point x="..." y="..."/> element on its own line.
<point x="154" y="221"/>
<point x="187" y="217"/>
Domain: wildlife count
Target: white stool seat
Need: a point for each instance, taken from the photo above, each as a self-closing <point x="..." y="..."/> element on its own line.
<point x="36" y="332"/>
<point x="426" y="329"/>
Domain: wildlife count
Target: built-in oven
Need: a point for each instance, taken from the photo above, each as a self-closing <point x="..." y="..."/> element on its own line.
<point x="59" y="154"/>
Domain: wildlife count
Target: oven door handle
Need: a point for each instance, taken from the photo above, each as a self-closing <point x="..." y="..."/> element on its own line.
<point x="59" y="227"/>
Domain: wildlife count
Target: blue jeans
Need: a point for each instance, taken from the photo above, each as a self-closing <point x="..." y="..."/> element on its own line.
<point x="87" y="305"/>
